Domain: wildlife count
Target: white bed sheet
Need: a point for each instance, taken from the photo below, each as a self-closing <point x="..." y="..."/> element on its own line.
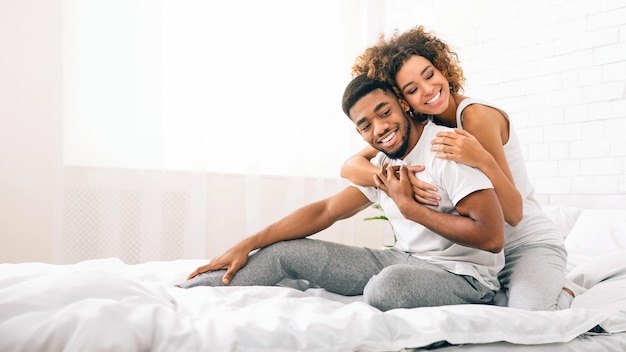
<point x="107" y="305"/>
<point x="584" y="343"/>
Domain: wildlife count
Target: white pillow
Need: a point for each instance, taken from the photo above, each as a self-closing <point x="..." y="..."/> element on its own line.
<point x="564" y="217"/>
<point x="596" y="232"/>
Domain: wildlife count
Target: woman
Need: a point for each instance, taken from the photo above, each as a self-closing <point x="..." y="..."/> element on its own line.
<point x="424" y="71"/>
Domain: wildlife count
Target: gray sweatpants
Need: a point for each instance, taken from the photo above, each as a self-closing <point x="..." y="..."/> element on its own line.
<point x="387" y="278"/>
<point x="533" y="277"/>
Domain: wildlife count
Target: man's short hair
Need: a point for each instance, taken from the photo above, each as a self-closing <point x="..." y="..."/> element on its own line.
<point x="359" y="87"/>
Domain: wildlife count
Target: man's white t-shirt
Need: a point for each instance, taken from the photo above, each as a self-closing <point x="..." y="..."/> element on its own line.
<point x="454" y="181"/>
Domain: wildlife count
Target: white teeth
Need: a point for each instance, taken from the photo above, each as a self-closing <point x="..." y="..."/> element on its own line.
<point x="388" y="138"/>
<point x="434" y="99"/>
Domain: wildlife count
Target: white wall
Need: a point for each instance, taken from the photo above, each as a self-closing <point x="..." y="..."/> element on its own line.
<point x="31" y="94"/>
<point x="559" y="68"/>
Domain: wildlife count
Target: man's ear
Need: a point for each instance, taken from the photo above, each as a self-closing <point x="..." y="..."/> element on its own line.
<point x="404" y="105"/>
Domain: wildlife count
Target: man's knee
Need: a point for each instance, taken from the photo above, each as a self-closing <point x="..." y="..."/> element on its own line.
<point x="389" y="290"/>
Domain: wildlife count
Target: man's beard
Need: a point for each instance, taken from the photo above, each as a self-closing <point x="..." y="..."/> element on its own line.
<point x="401" y="151"/>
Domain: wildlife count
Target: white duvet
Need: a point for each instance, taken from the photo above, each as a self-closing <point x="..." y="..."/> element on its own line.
<point x="107" y="305"/>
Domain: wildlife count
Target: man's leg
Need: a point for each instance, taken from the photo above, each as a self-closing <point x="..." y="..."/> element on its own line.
<point x="422" y="284"/>
<point x="338" y="268"/>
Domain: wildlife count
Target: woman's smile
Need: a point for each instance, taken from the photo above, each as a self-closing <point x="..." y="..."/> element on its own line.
<point x="434" y="99"/>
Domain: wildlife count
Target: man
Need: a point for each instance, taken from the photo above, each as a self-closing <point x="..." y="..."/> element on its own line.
<point x="445" y="255"/>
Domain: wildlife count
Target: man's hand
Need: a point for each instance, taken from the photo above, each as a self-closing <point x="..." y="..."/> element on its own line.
<point x="381" y="177"/>
<point x="424" y="193"/>
<point x="233" y="260"/>
<point x="398" y="184"/>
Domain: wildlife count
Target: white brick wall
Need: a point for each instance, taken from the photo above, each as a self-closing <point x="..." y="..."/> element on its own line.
<point x="558" y="67"/>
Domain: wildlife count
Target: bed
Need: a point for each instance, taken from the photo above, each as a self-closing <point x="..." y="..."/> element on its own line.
<point x="108" y="305"/>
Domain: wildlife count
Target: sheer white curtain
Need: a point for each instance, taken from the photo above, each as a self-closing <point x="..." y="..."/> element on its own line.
<point x="221" y="86"/>
<point x="191" y="123"/>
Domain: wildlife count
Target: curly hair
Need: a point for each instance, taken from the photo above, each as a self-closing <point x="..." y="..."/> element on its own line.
<point x="386" y="57"/>
<point x="374" y="61"/>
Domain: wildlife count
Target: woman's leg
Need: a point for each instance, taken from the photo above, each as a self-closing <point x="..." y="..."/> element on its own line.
<point x="534" y="276"/>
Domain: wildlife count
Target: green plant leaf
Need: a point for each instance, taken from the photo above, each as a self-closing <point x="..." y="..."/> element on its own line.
<point x="377" y="206"/>
<point x="382" y="217"/>
<point x="379" y="217"/>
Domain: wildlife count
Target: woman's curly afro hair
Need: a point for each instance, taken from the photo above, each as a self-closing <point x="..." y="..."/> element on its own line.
<point x="384" y="59"/>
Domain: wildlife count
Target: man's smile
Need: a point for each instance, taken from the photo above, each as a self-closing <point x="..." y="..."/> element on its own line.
<point x="388" y="140"/>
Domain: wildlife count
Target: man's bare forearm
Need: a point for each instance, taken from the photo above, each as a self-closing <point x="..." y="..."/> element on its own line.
<point x="479" y="225"/>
